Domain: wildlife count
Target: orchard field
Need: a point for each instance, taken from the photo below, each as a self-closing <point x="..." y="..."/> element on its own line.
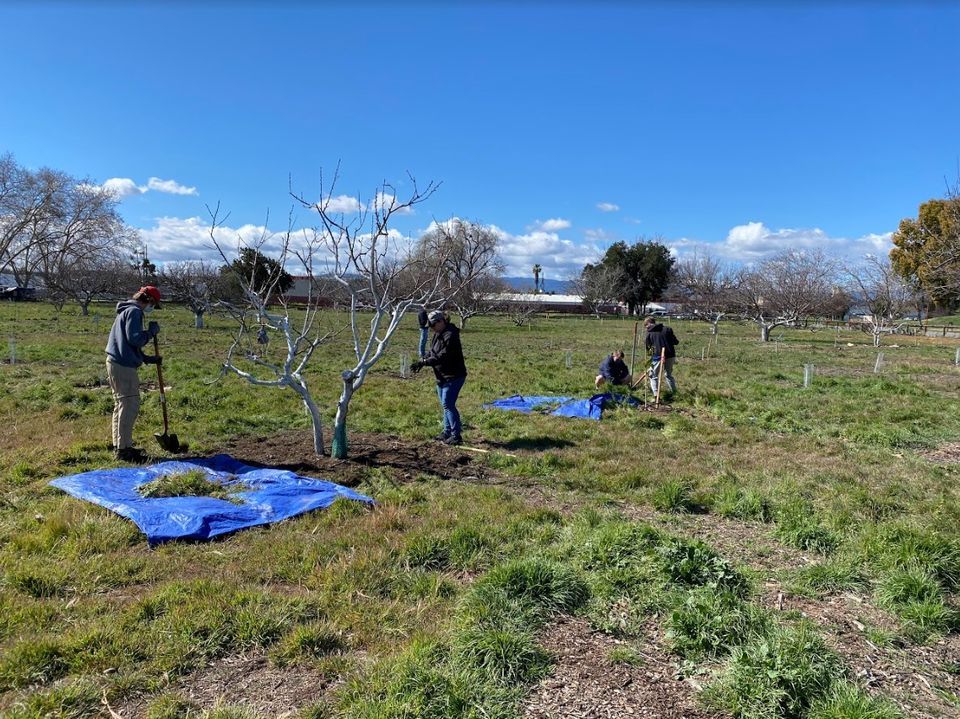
<point x="752" y="548"/>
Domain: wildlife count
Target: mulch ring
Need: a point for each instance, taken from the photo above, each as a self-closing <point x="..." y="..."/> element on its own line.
<point x="586" y="683"/>
<point x="247" y="681"/>
<point x="947" y="453"/>
<point x="404" y="460"/>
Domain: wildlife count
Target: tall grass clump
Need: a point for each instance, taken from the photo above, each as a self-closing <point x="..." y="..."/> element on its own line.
<point x="674" y="495"/>
<point x="798" y="526"/>
<point x="848" y="701"/>
<point x="712" y="622"/>
<point x="777" y="676"/>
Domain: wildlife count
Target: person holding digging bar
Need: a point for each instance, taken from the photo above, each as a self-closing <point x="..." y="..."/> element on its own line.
<point x="124" y="356"/>
<point x="660" y="340"/>
<point x="446" y="358"/>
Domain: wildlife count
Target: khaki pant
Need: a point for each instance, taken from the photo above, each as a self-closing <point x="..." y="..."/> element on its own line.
<point x="125" y="383"/>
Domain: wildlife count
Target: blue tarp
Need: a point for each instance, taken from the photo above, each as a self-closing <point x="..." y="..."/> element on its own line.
<point x="567" y="406"/>
<point x="275" y="494"/>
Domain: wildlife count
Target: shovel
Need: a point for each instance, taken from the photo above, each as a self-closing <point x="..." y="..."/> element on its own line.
<point x="167" y="441"/>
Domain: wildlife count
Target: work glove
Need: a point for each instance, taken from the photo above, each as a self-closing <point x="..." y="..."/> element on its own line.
<point x="416" y="367"/>
<point x="153" y="329"/>
<point x="153" y="360"/>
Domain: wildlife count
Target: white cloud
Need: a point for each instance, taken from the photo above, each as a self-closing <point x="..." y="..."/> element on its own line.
<point x="755" y="241"/>
<point x="607" y="207"/>
<point x="554" y="225"/>
<point x="175" y="238"/>
<point x="124" y="187"/>
<point x="342" y="203"/>
<point x="171" y="187"/>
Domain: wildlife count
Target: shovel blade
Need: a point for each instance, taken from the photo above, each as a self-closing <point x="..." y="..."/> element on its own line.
<point x="168" y="442"/>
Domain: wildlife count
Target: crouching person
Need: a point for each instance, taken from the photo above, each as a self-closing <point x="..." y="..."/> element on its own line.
<point x="613" y="370"/>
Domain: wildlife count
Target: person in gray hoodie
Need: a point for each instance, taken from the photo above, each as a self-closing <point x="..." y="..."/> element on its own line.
<point x="124" y="356"/>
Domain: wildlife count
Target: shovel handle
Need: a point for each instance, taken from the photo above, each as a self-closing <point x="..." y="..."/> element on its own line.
<point x="163" y="397"/>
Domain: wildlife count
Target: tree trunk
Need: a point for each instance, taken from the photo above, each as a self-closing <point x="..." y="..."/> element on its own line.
<point x="876" y="338"/>
<point x="764" y="333"/>
<point x="301" y="389"/>
<point x="463" y="321"/>
<point x="339" y="448"/>
<point x="85" y="308"/>
<point x="715" y="327"/>
<point x="198" y="320"/>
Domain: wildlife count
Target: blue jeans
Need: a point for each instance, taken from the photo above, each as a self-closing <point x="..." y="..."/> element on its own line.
<point x="448" y="392"/>
<point x="424" y="332"/>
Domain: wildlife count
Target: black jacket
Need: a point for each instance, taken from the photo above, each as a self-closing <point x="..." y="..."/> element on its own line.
<point x="660" y="337"/>
<point x="446" y="355"/>
<point x="422" y="319"/>
<point x="614" y="370"/>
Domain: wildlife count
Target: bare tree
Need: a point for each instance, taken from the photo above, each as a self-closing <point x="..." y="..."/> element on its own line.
<point x="194" y="283"/>
<point x="784" y="289"/>
<point x="883" y="292"/>
<point x="708" y="285"/>
<point x="469" y="261"/>
<point x="382" y="273"/>
<point x="86" y="277"/>
<point x="254" y="355"/>
<point x="521" y="308"/>
<point x="599" y="286"/>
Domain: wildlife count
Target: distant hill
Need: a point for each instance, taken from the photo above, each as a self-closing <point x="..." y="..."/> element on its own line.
<point x="560" y="287"/>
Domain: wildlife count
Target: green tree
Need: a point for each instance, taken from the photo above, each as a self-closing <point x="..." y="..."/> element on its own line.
<point x="262" y="274"/>
<point x="926" y="250"/>
<point x="644" y="270"/>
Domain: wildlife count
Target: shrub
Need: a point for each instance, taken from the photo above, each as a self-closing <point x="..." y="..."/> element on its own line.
<point x="507" y="657"/>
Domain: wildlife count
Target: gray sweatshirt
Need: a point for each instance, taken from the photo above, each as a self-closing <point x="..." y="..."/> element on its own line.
<point x="127" y="336"/>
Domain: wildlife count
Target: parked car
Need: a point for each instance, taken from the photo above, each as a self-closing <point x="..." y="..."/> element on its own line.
<point x="18" y="294"/>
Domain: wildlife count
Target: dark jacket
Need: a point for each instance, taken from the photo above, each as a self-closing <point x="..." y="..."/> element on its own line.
<point x="127" y="336"/>
<point x="614" y="370"/>
<point x="660" y="337"/>
<point x="446" y="355"/>
<point x="422" y="319"/>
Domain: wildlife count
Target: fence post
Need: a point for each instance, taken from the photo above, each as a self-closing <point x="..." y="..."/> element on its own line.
<point x="876" y="365"/>
<point x="807" y="374"/>
<point x="404" y="364"/>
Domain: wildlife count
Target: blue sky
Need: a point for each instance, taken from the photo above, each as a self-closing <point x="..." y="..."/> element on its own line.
<point x="742" y="128"/>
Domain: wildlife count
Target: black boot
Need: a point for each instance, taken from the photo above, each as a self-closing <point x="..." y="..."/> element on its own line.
<point x="453" y="440"/>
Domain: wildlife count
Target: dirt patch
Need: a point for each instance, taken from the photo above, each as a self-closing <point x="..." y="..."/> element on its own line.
<point x="948" y="453"/>
<point x="586" y="683"/>
<point x="402" y="459"/>
<point x="250" y="682"/>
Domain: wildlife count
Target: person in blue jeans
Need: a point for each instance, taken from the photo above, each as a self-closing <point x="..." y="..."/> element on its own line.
<point x="424" y="331"/>
<point x="446" y="358"/>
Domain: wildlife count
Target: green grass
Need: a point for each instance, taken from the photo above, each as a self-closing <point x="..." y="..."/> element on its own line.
<point x="191" y="483"/>
<point x="443" y="587"/>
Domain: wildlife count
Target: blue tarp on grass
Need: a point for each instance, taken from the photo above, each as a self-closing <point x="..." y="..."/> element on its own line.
<point x="275" y="494"/>
<point x="567" y="406"/>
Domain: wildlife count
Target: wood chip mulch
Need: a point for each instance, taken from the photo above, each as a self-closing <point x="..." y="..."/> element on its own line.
<point x="586" y="684"/>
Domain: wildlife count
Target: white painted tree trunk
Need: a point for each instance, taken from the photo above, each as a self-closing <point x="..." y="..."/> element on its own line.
<point x="300" y="387"/>
<point x="339" y="447"/>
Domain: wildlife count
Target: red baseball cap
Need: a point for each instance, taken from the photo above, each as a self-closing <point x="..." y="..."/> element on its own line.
<point x="152" y="292"/>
